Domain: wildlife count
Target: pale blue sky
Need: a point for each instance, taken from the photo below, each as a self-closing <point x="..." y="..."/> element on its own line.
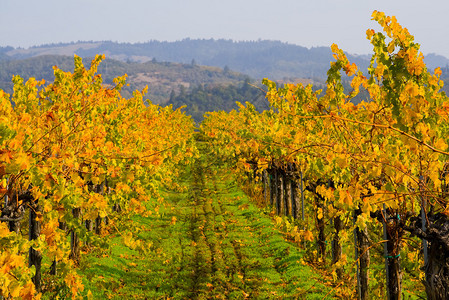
<point x="309" y="23"/>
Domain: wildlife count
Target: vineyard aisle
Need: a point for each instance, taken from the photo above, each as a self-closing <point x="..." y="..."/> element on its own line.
<point x="208" y="242"/>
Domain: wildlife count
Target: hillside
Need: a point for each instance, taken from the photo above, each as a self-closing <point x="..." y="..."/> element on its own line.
<point x="161" y="78"/>
<point x="192" y="73"/>
<point x="199" y="88"/>
<point x="202" y="99"/>
<point x="258" y="59"/>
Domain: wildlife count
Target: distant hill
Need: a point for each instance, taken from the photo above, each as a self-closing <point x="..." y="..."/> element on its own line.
<point x="204" y="75"/>
<point x="161" y="77"/>
<point x="258" y="59"/>
<point x="202" y="99"/>
<point x="433" y="61"/>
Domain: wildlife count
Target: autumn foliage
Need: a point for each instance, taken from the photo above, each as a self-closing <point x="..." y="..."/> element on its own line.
<point x="77" y="145"/>
<point x="387" y="154"/>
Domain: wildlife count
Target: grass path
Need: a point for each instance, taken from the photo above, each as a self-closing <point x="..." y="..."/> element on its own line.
<point x="210" y="242"/>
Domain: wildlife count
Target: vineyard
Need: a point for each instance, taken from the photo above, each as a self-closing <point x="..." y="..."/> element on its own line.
<point x="315" y="198"/>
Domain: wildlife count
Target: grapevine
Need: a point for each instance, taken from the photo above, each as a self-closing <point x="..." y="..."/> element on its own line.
<point x="74" y="152"/>
<point x="382" y="161"/>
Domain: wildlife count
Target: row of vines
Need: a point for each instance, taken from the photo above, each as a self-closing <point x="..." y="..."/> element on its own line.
<point x="370" y="179"/>
<point x="77" y="162"/>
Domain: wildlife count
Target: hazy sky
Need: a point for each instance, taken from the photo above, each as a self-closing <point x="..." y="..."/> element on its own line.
<point x="308" y="23"/>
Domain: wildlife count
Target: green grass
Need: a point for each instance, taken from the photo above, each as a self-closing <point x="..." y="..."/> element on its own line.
<point x="221" y="246"/>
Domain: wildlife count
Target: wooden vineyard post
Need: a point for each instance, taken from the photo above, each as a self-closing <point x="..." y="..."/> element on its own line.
<point x="294" y="195"/>
<point x="280" y="186"/>
<point x="320" y="224"/>
<point x="35" y="257"/>
<point x="336" y="245"/>
<point x="89" y="225"/>
<point x="423" y="221"/>
<point x="273" y="190"/>
<point x="387" y="273"/>
<point x="302" y="197"/>
<point x="11" y="207"/>
<point x="101" y="189"/>
<point x="98" y="225"/>
<point x="363" y="246"/>
<point x="276" y="190"/>
<point x="392" y="255"/>
<point x="356" y="257"/>
<point x="62" y="226"/>
<point x="361" y="249"/>
<point x="74" y="238"/>
<point x="287" y="194"/>
<point x="265" y="185"/>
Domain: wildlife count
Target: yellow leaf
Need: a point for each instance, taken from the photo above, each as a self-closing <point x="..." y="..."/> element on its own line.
<point x="89" y="295"/>
<point x="23" y="161"/>
<point x="361" y="221"/>
<point x="128" y="240"/>
<point x="47" y="206"/>
<point x="278" y="220"/>
<point x="331" y="211"/>
<point x="330" y="193"/>
<point x="156" y="160"/>
<point x="341" y="161"/>
<point x="369" y="34"/>
<point x="319" y="213"/>
<point x="15" y="290"/>
<point x="28" y="292"/>
<point x="4" y="231"/>
<point x="441" y="144"/>
<point x="308" y="235"/>
<point x="102" y="214"/>
<point x="122" y="187"/>
<point x="391" y="47"/>
<point x="345" y="197"/>
<point x="350" y="69"/>
<point x="366" y="207"/>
